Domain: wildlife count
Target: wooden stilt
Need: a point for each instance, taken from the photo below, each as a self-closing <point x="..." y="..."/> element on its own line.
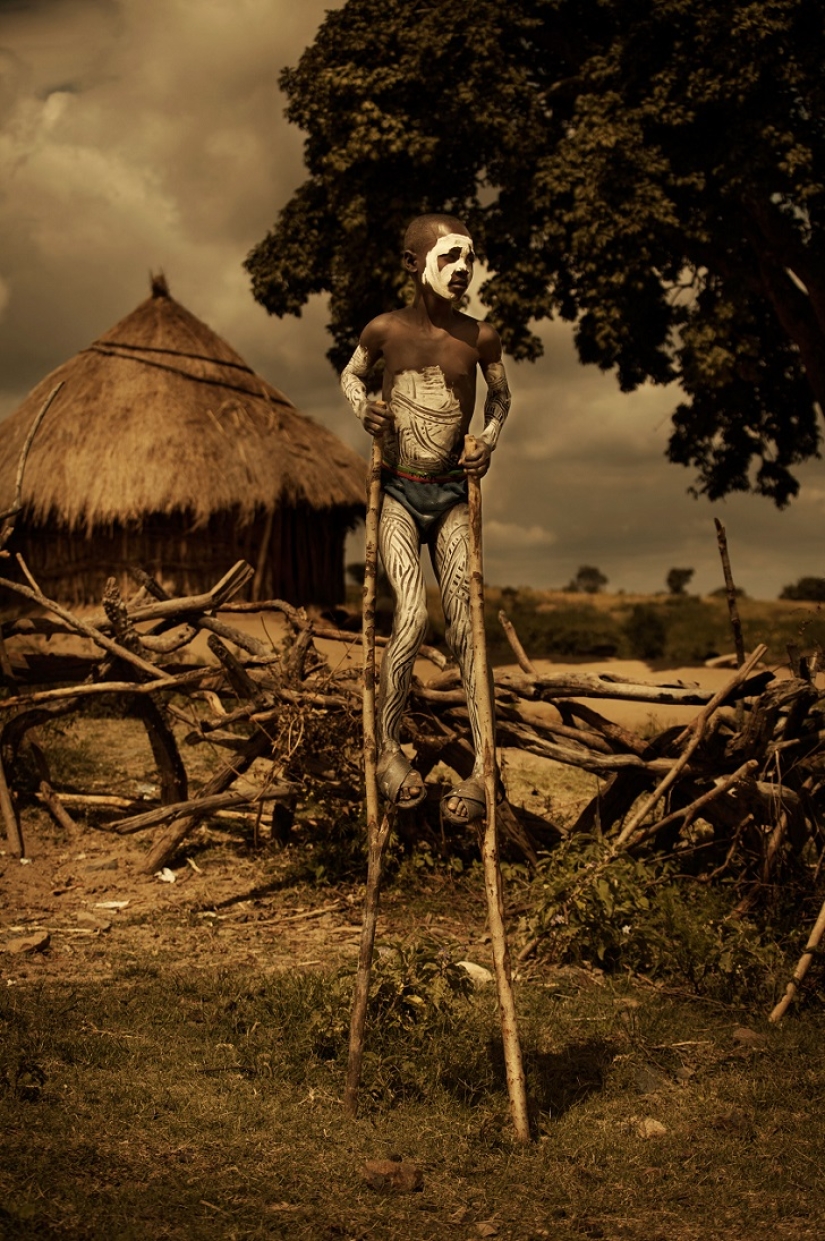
<point x="489" y="844"/>
<point x="377" y="834"/>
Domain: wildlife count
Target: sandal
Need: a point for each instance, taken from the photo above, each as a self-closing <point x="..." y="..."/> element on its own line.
<point x="392" y="772"/>
<point x="471" y="792"/>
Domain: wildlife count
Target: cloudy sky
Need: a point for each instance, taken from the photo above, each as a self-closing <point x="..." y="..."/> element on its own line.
<point x="140" y="135"/>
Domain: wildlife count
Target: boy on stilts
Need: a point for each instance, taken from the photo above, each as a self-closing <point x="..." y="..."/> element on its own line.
<point x="432" y="352"/>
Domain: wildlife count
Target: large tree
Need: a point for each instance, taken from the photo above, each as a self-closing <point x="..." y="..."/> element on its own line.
<point x="650" y="170"/>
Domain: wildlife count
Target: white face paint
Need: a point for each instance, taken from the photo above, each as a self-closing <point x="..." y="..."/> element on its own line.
<point x="438" y="277"/>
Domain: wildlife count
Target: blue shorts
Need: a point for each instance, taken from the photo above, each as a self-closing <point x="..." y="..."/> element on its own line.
<point x="426" y="500"/>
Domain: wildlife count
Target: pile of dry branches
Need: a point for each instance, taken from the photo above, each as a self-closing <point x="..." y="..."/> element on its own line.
<point x="750" y="765"/>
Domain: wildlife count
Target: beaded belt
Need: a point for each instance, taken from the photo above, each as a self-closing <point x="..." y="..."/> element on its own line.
<point x="413" y="476"/>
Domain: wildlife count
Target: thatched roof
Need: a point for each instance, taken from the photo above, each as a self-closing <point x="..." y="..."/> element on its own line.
<point x="161" y="415"/>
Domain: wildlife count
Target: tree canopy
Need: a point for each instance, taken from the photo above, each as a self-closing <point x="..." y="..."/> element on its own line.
<point x="677" y="580"/>
<point x="649" y="170"/>
<point x="589" y="579"/>
<point x="808" y="588"/>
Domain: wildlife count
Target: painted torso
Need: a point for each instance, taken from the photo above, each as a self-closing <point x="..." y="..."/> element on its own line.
<point x="430" y="387"/>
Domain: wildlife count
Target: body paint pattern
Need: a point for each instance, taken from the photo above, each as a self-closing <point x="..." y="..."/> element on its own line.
<point x="400" y="545"/>
<point x="497" y="404"/>
<point x="428" y="422"/>
<point x="438" y="278"/>
<point x="400" y="548"/>
<point x="352" y="381"/>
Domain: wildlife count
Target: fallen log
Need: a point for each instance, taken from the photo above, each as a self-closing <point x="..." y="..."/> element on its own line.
<point x="181" y="681"/>
<point x="610" y="686"/>
<point x="164" y="849"/>
<point x="201" y="806"/>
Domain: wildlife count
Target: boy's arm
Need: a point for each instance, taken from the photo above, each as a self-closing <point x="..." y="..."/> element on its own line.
<point x="374" y="414"/>
<point x="352" y="379"/>
<point x="497" y="404"/>
<point x="476" y="460"/>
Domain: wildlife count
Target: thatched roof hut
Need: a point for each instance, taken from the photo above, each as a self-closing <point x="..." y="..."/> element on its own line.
<point x="164" y="449"/>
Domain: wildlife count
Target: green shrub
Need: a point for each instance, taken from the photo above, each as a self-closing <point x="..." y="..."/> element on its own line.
<point x="645" y="632"/>
<point x="696" y="630"/>
<point x="416" y="985"/>
<point x="577" y="632"/>
<point x="809" y="588"/>
<point x="642" y="916"/>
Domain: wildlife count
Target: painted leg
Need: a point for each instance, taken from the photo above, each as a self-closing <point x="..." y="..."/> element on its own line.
<point x="400" y="548"/>
<point x="450" y="561"/>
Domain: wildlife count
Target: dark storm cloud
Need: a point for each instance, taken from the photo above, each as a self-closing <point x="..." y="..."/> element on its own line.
<point x="139" y="135"/>
<point x="168" y="149"/>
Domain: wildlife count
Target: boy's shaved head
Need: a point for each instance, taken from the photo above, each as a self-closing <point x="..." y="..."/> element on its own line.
<point x="421" y="231"/>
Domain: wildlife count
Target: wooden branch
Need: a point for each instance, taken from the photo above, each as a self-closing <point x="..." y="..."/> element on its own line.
<point x="200" y="806"/>
<point x="229" y="741"/>
<point x="697" y="727"/>
<point x="5" y="663"/>
<point x="612" y="801"/>
<point x="174" y="785"/>
<point x="688" y="812"/>
<point x="94" y="801"/>
<point x="164" y="849"/>
<point x="721" y="695"/>
<point x="248" y="643"/>
<point x="56" y="808"/>
<point x="328" y="632"/>
<point x="240" y="680"/>
<point x="377" y="831"/>
<point x="181" y="681"/>
<point x="27" y="625"/>
<point x="587" y="759"/>
<point x="801" y="970"/>
<point x="550" y="730"/>
<point x="191" y="606"/>
<point x="451" y="697"/>
<point x="164" y="606"/>
<point x="602" y="685"/>
<point x="88" y="631"/>
<point x="14" y="836"/>
<point x="303" y="698"/>
<point x="165" y="644"/>
<point x="730" y="591"/>
<point x="613" y="732"/>
<point x="522" y="658"/>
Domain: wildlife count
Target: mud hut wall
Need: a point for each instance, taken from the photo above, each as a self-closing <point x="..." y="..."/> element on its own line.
<point x="305" y="563"/>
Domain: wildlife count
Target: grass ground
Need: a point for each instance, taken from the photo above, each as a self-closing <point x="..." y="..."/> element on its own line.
<point x="191" y="1090"/>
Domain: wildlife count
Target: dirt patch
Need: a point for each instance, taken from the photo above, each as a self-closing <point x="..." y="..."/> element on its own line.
<point x="232" y="895"/>
<point x="223" y="904"/>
